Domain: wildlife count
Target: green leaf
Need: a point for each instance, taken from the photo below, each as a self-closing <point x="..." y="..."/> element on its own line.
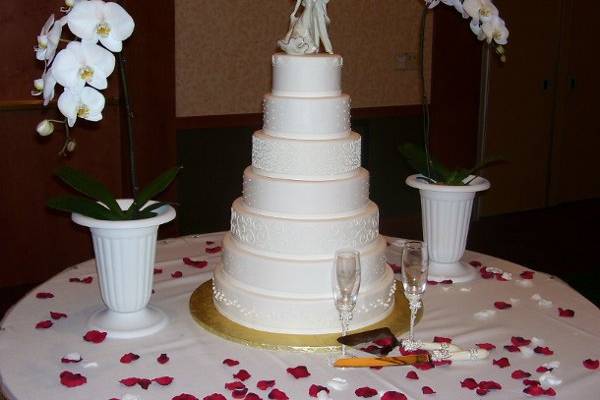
<point x="154" y="188"/>
<point x="89" y="186"/>
<point x="415" y="157"/>
<point x="82" y="205"/>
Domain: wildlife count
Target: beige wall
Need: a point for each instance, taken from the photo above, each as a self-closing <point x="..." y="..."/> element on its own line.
<point x="223" y="50"/>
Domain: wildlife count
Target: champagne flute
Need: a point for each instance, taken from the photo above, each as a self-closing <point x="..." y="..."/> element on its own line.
<point x="415" y="266"/>
<point x="345" y="284"/>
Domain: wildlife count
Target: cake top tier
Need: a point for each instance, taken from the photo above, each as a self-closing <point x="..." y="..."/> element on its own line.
<point x="318" y="75"/>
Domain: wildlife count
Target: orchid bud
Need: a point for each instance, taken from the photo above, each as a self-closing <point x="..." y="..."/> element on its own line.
<point x="71" y="144"/>
<point x="45" y="128"/>
<point x="38" y="84"/>
<point x="69" y="3"/>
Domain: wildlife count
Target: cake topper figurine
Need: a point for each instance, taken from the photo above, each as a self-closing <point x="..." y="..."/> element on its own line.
<point x="309" y="30"/>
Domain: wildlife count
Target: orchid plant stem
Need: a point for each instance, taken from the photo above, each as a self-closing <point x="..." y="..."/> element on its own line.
<point x="425" y="97"/>
<point x="129" y="120"/>
<point x="64" y="149"/>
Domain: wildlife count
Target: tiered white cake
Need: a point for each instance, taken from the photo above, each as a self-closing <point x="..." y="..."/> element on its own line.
<point x="305" y="196"/>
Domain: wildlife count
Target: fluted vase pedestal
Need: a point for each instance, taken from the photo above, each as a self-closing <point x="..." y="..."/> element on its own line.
<point x="446" y="215"/>
<point x="125" y="253"/>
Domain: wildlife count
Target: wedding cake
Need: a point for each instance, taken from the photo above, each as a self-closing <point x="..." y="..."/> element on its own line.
<point x="304" y="197"/>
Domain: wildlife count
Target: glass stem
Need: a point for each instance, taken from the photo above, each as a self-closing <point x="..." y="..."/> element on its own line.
<point x="414" y="303"/>
<point x="345" y="317"/>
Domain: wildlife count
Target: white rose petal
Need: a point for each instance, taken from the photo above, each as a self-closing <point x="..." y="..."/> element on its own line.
<point x="507" y="276"/>
<point x="323" y="395"/>
<point x="536" y="297"/>
<point x="485" y="314"/>
<point x="545" y="303"/>
<point x="526" y="351"/>
<point x="465" y="289"/>
<point x="552" y="364"/>
<point x="535" y="341"/>
<point x="73" y="357"/>
<point x="524" y="282"/>
<point x="128" y="396"/>
<point x="337" y="384"/>
<point x="548" y="379"/>
<point x="494" y="270"/>
<point x="91" y="365"/>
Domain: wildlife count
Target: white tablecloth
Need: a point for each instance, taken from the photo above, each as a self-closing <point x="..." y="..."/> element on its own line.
<point x="30" y="359"/>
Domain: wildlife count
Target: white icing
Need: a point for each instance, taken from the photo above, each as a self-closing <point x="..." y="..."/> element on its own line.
<point x="307" y="76"/>
<point x="300" y="278"/>
<point x="242" y="304"/>
<point x="320" y="237"/>
<point x="306" y="118"/>
<point x="306" y="198"/>
<point x="305" y="159"/>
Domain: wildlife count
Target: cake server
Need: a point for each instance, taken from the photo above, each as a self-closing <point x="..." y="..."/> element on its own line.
<point x="361" y="362"/>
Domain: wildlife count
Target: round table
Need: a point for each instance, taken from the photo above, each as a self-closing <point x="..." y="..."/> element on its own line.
<point x="467" y="313"/>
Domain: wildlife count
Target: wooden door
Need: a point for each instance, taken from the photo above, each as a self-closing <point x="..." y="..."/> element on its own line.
<point x="521" y="106"/>
<point x="577" y="130"/>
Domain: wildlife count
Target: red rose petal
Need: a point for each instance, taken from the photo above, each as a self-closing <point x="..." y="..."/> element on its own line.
<point x="393" y="395"/>
<point x="475" y="264"/>
<point x="441" y="339"/>
<point x="520" y="374"/>
<point x="534" y="390"/>
<point x="66" y="360"/>
<point x="591" y="364"/>
<point x="527" y="274"/>
<point x="500" y="278"/>
<point x="163" y="358"/>
<point x="314" y="390"/>
<point x="482" y="391"/>
<point x="490" y="385"/>
<point x="252" y="396"/>
<point x="277" y="394"/>
<point x="502" y="362"/>
<point x="486" y="346"/>
<point x="213" y="250"/>
<point x="566" y="313"/>
<point x="520" y="341"/>
<point x="195" y="264"/>
<point x="44" y="324"/>
<point x="239" y="393"/>
<point x="469" y="383"/>
<point x="550" y="392"/>
<point x="94" y="336"/>
<point x="57" y="315"/>
<point x="442" y="363"/>
<point x="396" y="268"/>
<point x="70" y="379"/>
<point x="144" y="383"/>
<point x="44" y="295"/>
<point x="542" y="369"/>
<point x="531" y="382"/>
<point x="209" y="242"/>
<point x="512" y="349"/>
<point x="298" y="372"/>
<point x="158" y="271"/>
<point x="87" y="280"/>
<point x="185" y="396"/>
<point x="412" y="375"/>
<point x="130" y="381"/>
<point x="365" y="392"/>
<point x="427" y="390"/>
<point x="485" y="274"/>
<point x="128" y="358"/>
<point x="424" y="366"/>
<point x="242" y="375"/>
<point x="264" y="385"/>
<point x="230" y="363"/>
<point x="501" y="305"/>
<point x="386" y="341"/>
<point x="214" y="396"/>
<point x="432" y="283"/>
<point x="235" y="385"/>
<point x="163" y="380"/>
<point x="177" y="274"/>
<point x="543" y="350"/>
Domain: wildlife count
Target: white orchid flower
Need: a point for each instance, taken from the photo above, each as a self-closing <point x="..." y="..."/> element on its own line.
<point x="480" y="10"/>
<point x="49" y="84"/>
<point x="495" y="29"/>
<point x="96" y="20"/>
<point x="80" y="63"/>
<point x="86" y="103"/>
<point x="47" y="40"/>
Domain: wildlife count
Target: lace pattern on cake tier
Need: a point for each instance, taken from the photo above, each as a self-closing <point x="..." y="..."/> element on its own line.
<point x="295" y="116"/>
<point x="309" y="319"/>
<point x="278" y="59"/>
<point x="306" y="158"/>
<point x="304" y="236"/>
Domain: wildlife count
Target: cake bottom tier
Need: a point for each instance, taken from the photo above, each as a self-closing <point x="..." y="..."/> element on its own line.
<point x="293" y="315"/>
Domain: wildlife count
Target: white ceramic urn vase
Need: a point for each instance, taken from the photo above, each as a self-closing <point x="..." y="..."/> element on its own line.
<point x="446" y="215"/>
<point x="125" y="253"/>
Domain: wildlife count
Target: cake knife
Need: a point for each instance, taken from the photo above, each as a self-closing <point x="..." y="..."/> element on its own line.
<point x="360" y="362"/>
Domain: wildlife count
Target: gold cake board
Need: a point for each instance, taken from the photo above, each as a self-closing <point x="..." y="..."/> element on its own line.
<point x="206" y="315"/>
